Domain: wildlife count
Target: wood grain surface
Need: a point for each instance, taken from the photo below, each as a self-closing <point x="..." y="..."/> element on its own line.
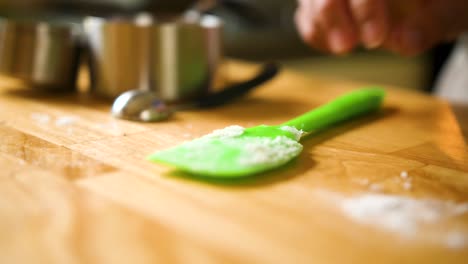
<point x="75" y="187"/>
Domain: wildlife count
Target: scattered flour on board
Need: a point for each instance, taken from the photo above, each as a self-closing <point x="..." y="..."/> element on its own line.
<point x="404" y="216"/>
<point x="66" y="121"/>
<point x="407" y="185"/>
<point x="363" y="181"/>
<point x="45" y="119"/>
<point x="404" y="175"/>
<point x="40" y="118"/>
<point x="375" y="187"/>
<point x="111" y="127"/>
<point x="456" y="240"/>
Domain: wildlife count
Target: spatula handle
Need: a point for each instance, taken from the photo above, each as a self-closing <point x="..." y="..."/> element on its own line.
<point x="345" y="107"/>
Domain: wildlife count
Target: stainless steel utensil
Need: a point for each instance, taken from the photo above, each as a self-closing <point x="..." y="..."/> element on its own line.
<point x="147" y="106"/>
<point x="101" y="7"/>
<point x="43" y="54"/>
<point x="177" y="60"/>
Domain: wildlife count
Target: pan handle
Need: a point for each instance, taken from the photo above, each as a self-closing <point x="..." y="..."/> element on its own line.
<point x="234" y="91"/>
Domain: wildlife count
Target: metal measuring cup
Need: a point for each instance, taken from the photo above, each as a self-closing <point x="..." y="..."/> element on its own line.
<point x="177" y="60"/>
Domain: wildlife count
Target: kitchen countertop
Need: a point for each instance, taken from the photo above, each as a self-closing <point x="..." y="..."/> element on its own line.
<point x="461" y="113"/>
<point x="387" y="188"/>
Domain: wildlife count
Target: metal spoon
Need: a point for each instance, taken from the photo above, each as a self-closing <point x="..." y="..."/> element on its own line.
<point x="146" y="106"/>
<point x="138" y="105"/>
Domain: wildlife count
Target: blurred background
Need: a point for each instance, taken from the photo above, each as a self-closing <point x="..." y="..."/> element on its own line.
<point x="258" y="30"/>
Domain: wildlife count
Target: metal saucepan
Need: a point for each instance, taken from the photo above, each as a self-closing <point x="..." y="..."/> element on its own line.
<point x="175" y="59"/>
<point x="44" y="54"/>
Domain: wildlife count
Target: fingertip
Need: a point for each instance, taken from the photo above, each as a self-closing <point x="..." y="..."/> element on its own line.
<point x="372" y="34"/>
<point x="340" y="42"/>
<point x="303" y="25"/>
<point x="372" y="19"/>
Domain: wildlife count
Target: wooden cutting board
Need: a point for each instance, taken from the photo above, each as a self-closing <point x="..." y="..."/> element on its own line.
<point x="75" y="187"/>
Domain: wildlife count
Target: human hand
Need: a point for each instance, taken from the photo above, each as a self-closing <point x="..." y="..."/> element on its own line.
<point x="418" y="25"/>
<point x="402" y="26"/>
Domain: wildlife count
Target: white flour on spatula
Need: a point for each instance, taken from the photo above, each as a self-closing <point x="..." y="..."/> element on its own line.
<point x="252" y="150"/>
<point x="226" y="133"/>
<point x="269" y="150"/>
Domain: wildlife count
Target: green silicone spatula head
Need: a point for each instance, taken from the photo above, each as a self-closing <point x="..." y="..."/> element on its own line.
<point x="238" y="152"/>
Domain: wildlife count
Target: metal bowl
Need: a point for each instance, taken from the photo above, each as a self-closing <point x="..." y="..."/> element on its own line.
<point x="43" y="54"/>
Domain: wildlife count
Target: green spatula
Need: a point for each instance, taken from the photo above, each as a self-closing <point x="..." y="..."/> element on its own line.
<point x="235" y="151"/>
